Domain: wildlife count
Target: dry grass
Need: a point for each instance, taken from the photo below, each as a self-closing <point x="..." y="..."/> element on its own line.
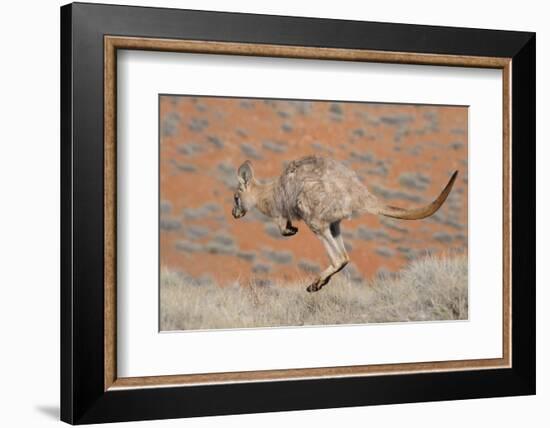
<point x="427" y="290"/>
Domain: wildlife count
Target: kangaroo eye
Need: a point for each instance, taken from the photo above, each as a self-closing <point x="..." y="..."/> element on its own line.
<point x="236" y="199"/>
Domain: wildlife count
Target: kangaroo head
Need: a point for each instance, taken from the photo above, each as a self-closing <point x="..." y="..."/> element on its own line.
<point x="245" y="196"/>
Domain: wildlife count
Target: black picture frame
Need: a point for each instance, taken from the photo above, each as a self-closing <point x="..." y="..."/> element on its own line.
<point x="83" y="397"/>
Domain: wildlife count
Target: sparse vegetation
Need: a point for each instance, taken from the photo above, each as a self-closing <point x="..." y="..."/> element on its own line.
<point x="429" y="289"/>
<point x="195" y="232"/>
<point x="398" y="194"/>
<point x="215" y="142"/>
<point x="185" y="167"/>
<point x="250" y="151"/>
<point x="287" y="127"/>
<point x="275" y="146"/>
<point x="414" y="180"/>
<point x="336" y="108"/>
<point x="384" y="251"/>
<point x="279" y="257"/>
<point x="169" y="224"/>
<point x="190" y="149"/>
<point x="165" y="207"/>
<point x="309" y="266"/>
<point x="188" y="246"/>
<point x="197" y="125"/>
<point x="170" y="124"/>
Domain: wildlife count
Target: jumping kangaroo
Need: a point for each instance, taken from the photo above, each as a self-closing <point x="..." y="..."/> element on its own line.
<point x="321" y="192"/>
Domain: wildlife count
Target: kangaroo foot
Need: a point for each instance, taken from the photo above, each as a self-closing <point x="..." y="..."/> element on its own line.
<point x="289" y="231"/>
<point x="316" y="285"/>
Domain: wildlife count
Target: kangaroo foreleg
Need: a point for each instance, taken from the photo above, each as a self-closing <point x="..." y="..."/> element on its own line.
<point x="286" y="227"/>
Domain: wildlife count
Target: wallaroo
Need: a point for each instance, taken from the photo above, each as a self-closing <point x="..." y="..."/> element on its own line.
<point x="321" y="192"/>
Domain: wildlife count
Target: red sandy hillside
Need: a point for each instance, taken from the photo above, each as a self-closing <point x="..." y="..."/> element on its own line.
<point x="405" y="154"/>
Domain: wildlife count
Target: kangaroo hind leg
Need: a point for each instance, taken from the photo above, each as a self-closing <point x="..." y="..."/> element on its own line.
<point x="337" y="235"/>
<point x="336" y="251"/>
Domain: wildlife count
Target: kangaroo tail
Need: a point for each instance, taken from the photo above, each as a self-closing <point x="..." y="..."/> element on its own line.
<point x="420" y="212"/>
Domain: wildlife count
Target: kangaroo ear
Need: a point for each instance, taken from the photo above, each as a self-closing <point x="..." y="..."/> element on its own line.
<point x="245" y="173"/>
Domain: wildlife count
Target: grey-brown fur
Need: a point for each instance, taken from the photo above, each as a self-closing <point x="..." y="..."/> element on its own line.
<point x="321" y="192"/>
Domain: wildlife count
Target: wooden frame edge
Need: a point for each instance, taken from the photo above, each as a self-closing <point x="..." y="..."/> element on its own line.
<point x="109" y="198"/>
<point x="507" y="213"/>
<point x="299" y="374"/>
<point x="301" y="52"/>
<point x="112" y="43"/>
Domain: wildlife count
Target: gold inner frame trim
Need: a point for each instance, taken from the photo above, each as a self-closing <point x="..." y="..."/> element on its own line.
<point x="113" y="43"/>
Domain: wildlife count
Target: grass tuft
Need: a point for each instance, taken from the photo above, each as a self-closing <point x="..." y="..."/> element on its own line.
<point x="429" y="289"/>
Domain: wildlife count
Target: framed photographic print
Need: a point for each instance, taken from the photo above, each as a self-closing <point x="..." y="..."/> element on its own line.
<point x="265" y="213"/>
